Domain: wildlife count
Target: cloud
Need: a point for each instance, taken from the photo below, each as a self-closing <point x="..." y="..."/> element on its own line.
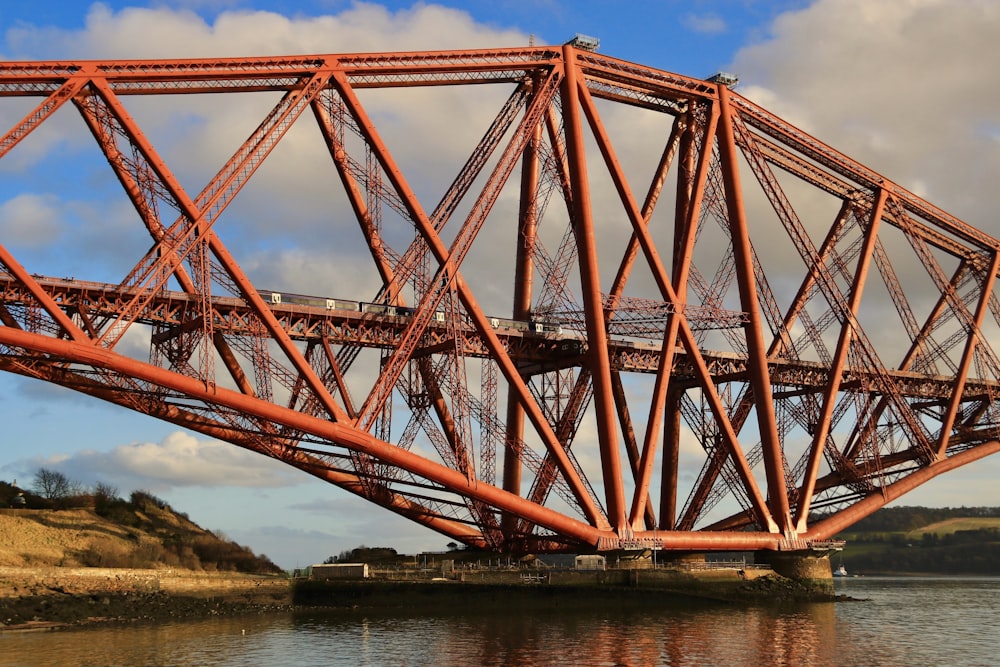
<point x="179" y="460"/>
<point x="31" y="220"/>
<point x="429" y="131"/>
<point x="338" y="522"/>
<point x="902" y="87"/>
<point x="901" y="91"/>
<point x="163" y="32"/>
<point x="707" y="24"/>
<point x="972" y="486"/>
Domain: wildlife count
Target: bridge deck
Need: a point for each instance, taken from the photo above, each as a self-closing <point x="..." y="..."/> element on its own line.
<point x="537" y="347"/>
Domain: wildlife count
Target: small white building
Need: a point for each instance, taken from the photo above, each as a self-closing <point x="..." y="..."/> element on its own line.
<point x="590" y="562"/>
<point x="340" y="571"/>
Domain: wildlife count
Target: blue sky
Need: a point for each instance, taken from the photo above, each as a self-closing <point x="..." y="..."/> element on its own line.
<point x="694" y="38"/>
<point x="862" y="76"/>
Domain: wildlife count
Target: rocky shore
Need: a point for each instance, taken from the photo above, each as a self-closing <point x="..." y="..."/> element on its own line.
<point x="51" y="612"/>
<point x="49" y="598"/>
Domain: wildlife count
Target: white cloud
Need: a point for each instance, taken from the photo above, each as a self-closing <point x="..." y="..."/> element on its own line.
<point x="900" y="87"/>
<point x="903" y="87"/>
<point x="295" y="198"/>
<point x="163" y="32"/>
<point x="972" y="486"/>
<point x="179" y="460"/>
<point x="709" y="24"/>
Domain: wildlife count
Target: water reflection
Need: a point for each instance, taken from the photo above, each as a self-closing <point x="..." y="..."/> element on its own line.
<point x="801" y="635"/>
<point x="902" y="622"/>
<point x="192" y="643"/>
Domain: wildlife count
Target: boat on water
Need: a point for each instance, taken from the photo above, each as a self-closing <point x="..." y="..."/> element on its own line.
<point x="840" y="571"/>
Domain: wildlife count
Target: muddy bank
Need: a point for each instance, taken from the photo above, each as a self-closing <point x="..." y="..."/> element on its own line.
<point x="55" y="611"/>
<point x="32" y="598"/>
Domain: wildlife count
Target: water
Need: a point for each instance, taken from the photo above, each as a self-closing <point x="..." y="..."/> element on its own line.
<point x="901" y="622"/>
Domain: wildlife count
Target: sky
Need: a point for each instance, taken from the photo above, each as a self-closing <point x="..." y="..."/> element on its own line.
<point x="906" y="87"/>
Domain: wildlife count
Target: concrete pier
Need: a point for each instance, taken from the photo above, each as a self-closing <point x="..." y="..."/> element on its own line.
<point x="807" y="567"/>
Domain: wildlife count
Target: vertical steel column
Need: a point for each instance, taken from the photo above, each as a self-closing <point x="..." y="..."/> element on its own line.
<point x="597" y="338"/>
<point x="670" y="464"/>
<point x="760" y="379"/>
<point x="476" y="316"/>
<point x="524" y="274"/>
<point x="685" y="225"/>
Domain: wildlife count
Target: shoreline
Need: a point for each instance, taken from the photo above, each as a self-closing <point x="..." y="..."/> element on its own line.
<point x="50" y="598"/>
<point x="53" y="598"/>
<point x="38" y="613"/>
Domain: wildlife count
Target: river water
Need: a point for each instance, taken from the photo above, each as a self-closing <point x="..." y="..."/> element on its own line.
<point x="897" y="622"/>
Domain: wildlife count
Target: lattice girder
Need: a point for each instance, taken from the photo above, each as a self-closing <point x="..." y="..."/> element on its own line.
<point x="725" y="328"/>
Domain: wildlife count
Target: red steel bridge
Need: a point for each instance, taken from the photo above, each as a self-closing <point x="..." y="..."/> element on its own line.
<point x="740" y="339"/>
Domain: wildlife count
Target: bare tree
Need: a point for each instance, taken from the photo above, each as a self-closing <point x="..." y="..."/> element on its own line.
<point x="53" y="484"/>
<point x="105" y="492"/>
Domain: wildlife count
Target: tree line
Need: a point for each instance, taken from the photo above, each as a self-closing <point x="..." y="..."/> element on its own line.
<point x="905" y="519"/>
<point x="52" y="489"/>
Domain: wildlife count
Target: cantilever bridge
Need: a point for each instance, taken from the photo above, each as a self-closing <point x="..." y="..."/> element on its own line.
<point x="742" y="339"/>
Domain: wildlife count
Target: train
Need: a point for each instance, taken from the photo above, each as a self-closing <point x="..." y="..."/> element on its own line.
<point x="284" y="298"/>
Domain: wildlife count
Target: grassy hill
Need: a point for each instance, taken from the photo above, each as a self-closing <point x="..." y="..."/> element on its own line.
<point x="956" y="525"/>
<point x="921" y="540"/>
<point x="102" y="530"/>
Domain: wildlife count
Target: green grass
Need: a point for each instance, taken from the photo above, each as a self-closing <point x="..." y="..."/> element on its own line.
<point x="949" y="526"/>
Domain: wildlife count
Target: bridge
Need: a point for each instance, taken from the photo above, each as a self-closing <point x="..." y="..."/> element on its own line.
<point x="741" y="339"/>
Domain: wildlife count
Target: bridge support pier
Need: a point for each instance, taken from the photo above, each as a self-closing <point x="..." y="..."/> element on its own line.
<point x="807" y="567"/>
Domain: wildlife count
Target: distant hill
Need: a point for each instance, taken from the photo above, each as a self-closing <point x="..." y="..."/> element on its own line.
<point x="912" y="518"/>
<point x="102" y="530"/>
<point x="925" y="540"/>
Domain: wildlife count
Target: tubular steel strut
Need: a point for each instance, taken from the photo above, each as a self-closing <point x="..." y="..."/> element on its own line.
<point x="661" y="329"/>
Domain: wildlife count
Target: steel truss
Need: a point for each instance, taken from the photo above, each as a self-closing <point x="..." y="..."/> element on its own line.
<point x="745" y="373"/>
